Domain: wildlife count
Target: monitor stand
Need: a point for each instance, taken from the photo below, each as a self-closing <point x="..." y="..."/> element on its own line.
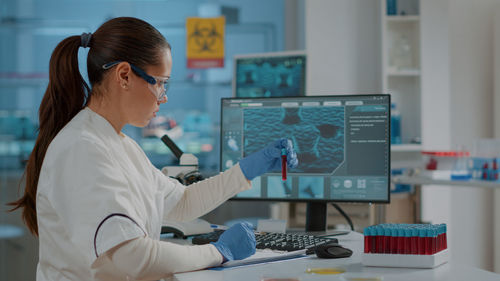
<point x="316" y="216"/>
<point x="316" y="220"/>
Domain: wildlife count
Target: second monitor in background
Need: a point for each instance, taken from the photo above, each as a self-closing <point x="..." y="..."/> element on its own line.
<point x="342" y="143"/>
<point x="275" y="74"/>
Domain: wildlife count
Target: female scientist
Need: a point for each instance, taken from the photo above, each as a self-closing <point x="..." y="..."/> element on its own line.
<point x="92" y="196"/>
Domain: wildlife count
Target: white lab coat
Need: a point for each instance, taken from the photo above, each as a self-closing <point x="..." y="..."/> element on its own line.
<point x="97" y="189"/>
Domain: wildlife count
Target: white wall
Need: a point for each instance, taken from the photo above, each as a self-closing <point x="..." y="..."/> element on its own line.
<point x="471" y="85"/>
<point x="496" y="70"/>
<point x="436" y="123"/>
<point x="472" y="118"/>
<point x="294" y="25"/>
<point x="457" y="94"/>
<point x="496" y="112"/>
<point x="343" y="47"/>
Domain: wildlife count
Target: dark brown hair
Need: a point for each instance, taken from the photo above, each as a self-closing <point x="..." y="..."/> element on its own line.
<point x="119" y="39"/>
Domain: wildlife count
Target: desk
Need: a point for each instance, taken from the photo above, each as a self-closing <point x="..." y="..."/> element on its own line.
<point x="354" y="241"/>
<point x="420" y="180"/>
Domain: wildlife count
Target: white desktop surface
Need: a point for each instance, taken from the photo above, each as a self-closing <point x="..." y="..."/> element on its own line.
<point x="354" y="241"/>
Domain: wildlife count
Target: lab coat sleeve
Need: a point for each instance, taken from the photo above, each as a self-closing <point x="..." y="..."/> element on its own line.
<point x="148" y="259"/>
<point x="204" y="196"/>
<point x="93" y="200"/>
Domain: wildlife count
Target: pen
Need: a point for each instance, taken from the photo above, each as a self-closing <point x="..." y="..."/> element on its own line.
<point x="283" y="164"/>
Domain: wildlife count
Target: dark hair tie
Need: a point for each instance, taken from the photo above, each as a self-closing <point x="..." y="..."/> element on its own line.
<point x="85" y="39"/>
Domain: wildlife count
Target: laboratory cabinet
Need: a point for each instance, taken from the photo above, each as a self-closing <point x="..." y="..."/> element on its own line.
<point x="400" y="30"/>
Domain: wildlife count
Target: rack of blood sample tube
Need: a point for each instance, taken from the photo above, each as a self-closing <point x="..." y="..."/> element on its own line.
<point x="405" y="245"/>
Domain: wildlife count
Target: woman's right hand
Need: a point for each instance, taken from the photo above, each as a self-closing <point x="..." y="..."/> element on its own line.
<point x="268" y="159"/>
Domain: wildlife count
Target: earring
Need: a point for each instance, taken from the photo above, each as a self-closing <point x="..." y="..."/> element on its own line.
<point x="124" y="86"/>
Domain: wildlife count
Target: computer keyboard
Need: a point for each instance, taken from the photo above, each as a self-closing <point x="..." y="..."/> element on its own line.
<point x="272" y="240"/>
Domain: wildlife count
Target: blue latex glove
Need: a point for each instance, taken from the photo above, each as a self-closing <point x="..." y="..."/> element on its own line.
<point x="237" y="242"/>
<point x="268" y="159"/>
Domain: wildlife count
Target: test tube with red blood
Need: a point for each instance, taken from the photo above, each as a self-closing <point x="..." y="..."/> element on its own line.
<point x="366" y="233"/>
<point x="445" y="243"/>
<point x="428" y="241"/>
<point x="283" y="164"/>
<point x="434" y="240"/>
<point x="380" y="239"/>
<point x="494" y="173"/>
<point x="401" y="237"/>
<point x="485" y="171"/>
<point x="407" y="241"/>
<point x="387" y="240"/>
<point x="421" y="241"/>
<point x="414" y="241"/>
<point x="373" y="243"/>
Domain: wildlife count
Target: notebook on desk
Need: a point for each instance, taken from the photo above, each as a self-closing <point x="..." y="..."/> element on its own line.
<point x="263" y="256"/>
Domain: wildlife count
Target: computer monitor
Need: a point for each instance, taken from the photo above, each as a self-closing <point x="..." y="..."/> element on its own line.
<point x="342" y="143"/>
<point x="276" y="74"/>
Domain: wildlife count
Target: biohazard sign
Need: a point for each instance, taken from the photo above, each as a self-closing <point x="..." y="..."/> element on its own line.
<point x="205" y="42"/>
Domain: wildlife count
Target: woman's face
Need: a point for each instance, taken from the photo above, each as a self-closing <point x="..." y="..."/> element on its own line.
<point x="142" y="103"/>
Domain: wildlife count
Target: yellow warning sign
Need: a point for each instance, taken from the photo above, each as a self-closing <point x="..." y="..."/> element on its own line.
<point x="205" y="42"/>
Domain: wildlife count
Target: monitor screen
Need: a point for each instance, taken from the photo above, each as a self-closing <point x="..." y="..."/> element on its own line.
<point x="269" y="75"/>
<point x="342" y="143"/>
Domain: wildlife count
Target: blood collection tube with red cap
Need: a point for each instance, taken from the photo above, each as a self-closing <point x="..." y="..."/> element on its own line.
<point x="283" y="164"/>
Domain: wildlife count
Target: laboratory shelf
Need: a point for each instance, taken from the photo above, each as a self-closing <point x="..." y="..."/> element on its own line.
<point x="399" y="18"/>
<point x="419" y="180"/>
<point x="404" y="72"/>
<point x="401" y="67"/>
<point x="406" y="148"/>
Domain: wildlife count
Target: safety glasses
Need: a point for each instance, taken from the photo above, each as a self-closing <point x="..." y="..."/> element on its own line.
<point x="157" y="85"/>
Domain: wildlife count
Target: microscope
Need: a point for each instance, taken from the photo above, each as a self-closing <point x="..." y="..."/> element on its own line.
<point x="187" y="171"/>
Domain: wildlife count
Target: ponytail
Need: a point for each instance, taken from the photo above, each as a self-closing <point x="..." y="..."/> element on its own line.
<point x="64" y="98"/>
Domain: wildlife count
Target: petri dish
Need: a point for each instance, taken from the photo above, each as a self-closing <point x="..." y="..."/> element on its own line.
<point x="279" y="279"/>
<point x="325" y="270"/>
